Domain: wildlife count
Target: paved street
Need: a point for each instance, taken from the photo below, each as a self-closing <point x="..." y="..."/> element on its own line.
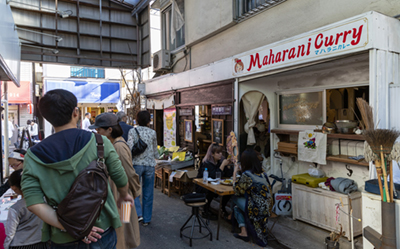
<point x="169" y="214"/>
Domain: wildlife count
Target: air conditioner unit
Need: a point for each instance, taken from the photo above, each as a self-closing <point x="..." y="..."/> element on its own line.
<point x="161" y="60"/>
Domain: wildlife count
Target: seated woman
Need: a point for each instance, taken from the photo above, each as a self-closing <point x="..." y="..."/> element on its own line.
<point x="23" y="228"/>
<point x="213" y="162"/>
<point x="253" y="199"/>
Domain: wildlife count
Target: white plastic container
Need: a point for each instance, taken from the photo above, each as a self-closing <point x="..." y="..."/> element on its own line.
<point x="335" y="147"/>
<point x="360" y="148"/>
<point x="344" y="147"/>
<point x="351" y="148"/>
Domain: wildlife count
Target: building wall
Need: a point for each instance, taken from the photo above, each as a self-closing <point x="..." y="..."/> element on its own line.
<point x="285" y="20"/>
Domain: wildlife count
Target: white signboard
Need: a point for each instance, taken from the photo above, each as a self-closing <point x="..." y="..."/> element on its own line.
<point x="331" y="41"/>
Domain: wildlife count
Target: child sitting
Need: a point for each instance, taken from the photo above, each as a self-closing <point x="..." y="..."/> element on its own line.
<point x="23" y="228"/>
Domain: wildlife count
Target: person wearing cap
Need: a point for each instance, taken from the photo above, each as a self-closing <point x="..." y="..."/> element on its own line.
<point x="51" y="167"/>
<point x="16" y="162"/>
<point x="122" y="118"/>
<point x="106" y="124"/>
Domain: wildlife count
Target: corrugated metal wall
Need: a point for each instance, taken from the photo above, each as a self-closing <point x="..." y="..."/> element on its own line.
<point x="394" y="96"/>
<point x="97" y="33"/>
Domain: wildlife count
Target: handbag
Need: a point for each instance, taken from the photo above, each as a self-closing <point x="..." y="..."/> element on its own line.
<point x="139" y="147"/>
<point x="80" y="209"/>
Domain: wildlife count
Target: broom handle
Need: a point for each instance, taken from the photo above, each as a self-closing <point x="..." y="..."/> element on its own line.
<point x="384" y="175"/>
<point x="379" y="173"/>
<point x="391" y="181"/>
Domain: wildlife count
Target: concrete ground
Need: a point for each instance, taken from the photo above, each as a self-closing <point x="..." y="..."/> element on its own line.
<point x="170" y="213"/>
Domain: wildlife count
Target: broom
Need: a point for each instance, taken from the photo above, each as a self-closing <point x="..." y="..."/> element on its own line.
<point x="381" y="142"/>
<point x="366" y="113"/>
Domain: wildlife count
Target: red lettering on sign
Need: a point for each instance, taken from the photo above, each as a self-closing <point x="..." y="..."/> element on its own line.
<point x="338" y="35"/>
<point x="345" y="35"/>
<point x="284" y="53"/>
<point x="265" y="60"/>
<point x="253" y="61"/>
<point x="292" y="53"/>
<point x="330" y="43"/>
<point x="278" y="57"/>
<point x="356" y="35"/>
<point x="300" y="51"/>
<point x="271" y="57"/>
<point x="318" y="44"/>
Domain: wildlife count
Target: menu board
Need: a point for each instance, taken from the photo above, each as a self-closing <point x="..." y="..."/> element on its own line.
<point x="169" y="127"/>
<point x="301" y="108"/>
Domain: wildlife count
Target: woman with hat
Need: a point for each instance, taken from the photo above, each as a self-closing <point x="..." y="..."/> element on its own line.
<point x="16" y="162"/>
<point x="106" y="124"/>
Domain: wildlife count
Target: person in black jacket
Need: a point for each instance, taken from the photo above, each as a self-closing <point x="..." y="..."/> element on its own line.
<point x="16" y="162"/>
<point x="214" y="162"/>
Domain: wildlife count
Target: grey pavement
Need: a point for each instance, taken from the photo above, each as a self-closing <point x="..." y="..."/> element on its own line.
<point x="170" y="213"/>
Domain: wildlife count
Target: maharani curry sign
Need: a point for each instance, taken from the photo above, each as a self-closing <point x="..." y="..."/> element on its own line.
<point x="327" y="42"/>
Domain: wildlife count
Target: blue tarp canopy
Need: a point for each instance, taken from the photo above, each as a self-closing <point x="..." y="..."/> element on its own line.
<point x="86" y="91"/>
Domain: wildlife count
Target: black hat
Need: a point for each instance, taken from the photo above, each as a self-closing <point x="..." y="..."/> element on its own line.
<point x="104" y="120"/>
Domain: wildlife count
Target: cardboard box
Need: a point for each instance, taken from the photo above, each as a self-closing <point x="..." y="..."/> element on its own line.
<point x="186" y="174"/>
<point x="288" y="147"/>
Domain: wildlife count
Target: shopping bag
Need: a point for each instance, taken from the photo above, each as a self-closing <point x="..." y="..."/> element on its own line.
<point x="312" y="147"/>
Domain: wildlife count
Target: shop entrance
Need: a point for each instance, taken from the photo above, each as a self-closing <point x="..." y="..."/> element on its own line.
<point x="254" y="124"/>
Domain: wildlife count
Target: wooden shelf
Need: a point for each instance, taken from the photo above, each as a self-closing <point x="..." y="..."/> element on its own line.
<point x="285" y="152"/>
<point x="207" y="141"/>
<point x="347" y="136"/>
<point x="345" y="159"/>
<point x="335" y="135"/>
<point x="285" y="132"/>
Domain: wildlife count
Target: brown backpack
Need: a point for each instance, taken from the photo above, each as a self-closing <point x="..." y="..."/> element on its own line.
<point x="79" y="210"/>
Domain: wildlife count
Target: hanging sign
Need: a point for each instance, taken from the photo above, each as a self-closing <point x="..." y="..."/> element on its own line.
<point x="169" y="127"/>
<point x="186" y="112"/>
<point x="347" y="37"/>
<point x="221" y="110"/>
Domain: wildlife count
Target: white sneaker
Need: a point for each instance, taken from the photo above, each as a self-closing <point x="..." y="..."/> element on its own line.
<point x="140" y="219"/>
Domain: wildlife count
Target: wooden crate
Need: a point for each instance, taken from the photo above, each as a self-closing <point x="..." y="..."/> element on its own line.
<point x="318" y="207"/>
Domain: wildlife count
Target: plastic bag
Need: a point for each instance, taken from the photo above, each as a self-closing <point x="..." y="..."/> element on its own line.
<point x="316" y="171"/>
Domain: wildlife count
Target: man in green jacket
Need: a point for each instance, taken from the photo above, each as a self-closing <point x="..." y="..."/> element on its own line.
<point x="51" y="167"/>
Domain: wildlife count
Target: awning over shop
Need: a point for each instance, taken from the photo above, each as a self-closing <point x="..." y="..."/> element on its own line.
<point x="160" y="104"/>
<point x="20" y="95"/>
<point x="88" y="92"/>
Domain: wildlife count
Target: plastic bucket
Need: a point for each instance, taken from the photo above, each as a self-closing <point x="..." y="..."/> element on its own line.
<point x="331" y="244"/>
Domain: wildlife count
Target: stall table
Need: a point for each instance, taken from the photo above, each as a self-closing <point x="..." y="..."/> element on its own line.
<point x="220" y="190"/>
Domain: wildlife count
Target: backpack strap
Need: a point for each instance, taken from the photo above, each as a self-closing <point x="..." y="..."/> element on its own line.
<point x="100" y="146"/>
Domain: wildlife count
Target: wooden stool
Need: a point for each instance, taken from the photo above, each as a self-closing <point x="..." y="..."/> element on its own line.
<point x="201" y="223"/>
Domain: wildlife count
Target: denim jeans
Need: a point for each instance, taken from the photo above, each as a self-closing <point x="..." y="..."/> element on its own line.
<point x="239" y="208"/>
<point x="107" y="241"/>
<point x="146" y="176"/>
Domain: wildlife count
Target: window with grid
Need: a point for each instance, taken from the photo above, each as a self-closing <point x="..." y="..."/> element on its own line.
<point x="248" y="8"/>
<point x="87" y="72"/>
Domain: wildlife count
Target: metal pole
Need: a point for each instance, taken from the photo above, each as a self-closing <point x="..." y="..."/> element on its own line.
<point x="6" y="136"/>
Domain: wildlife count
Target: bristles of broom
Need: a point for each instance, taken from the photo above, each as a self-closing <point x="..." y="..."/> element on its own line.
<point x="381" y="137"/>
<point x="366" y="113"/>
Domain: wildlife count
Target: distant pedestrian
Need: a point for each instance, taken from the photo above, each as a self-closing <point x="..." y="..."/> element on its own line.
<point x="86" y="122"/>
<point x="10" y="131"/>
<point x="144" y="164"/>
<point x="122" y="118"/>
<point x="23" y="228"/>
<point x="34" y="130"/>
<point x="51" y="166"/>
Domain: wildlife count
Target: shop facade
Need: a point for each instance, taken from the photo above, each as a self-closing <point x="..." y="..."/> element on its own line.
<point x="354" y="58"/>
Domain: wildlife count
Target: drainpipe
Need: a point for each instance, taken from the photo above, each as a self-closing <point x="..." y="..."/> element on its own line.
<point x="6" y="135"/>
<point x="236" y="109"/>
